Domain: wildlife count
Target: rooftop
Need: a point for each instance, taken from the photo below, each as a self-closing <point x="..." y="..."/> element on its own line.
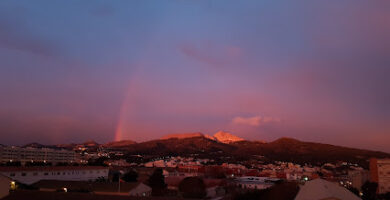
<point x="322" y="189"/>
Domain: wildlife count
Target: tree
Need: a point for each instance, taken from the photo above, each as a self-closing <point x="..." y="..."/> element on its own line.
<point x="353" y="190"/>
<point x="369" y="190"/>
<point x="101" y="179"/>
<point x="157" y="183"/>
<point x="192" y="187"/>
<point x="97" y="162"/>
<point x="130" y="176"/>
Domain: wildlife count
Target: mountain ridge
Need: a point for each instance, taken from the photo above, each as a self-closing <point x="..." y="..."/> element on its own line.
<point x="281" y="149"/>
<point x="220" y="136"/>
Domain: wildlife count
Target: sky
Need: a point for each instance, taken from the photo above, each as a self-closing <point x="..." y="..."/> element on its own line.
<point x="72" y="71"/>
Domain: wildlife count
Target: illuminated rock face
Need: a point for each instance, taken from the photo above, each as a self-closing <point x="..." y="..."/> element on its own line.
<point x="226" y="137"/>
<point x="221" y="136"/>
<point x="182" y="135"/>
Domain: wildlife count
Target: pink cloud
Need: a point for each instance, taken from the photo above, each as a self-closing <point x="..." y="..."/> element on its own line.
<point x="254" y="121"/>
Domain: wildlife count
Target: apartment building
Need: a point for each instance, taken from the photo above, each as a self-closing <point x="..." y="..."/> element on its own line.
<point x="29" y="175"/>
<point x="24" y="155"/>
<point x="380" y="173"/>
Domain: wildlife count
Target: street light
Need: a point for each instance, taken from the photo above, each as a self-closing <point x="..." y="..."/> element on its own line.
<point x="13" y="185"/>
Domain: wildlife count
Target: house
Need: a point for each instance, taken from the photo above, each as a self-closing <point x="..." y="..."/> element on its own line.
<point x="214" y="187"/>
<point x="5" y="185"/>
<point x="141" y="190"/>
<point x="380" y="173"/>
<point x="318" y="189"/>
<point x="357" y="177"/>
<point x="253" y="182"/>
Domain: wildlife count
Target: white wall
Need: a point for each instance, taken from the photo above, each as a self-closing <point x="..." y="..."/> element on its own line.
<point x="29" y="177"/>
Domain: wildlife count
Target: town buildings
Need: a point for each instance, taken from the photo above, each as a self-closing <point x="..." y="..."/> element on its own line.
<point x="25" y="155"/>
<point x="380" y="173"/>
<point x="253" y="182"/>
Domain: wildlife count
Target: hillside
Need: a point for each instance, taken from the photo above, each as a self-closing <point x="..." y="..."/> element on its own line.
<point x="175" y="146"/>
<point x="226" y="137"/>
<point x="226" y="147"/>
<point x="283" y="149"/>
<point x="119" y="144"/>
<point x="288" y="149"/>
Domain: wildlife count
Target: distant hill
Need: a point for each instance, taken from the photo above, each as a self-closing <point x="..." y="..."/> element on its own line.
<point x="182" y="135"/>
<point x="90" y="143"/>
<point x="289" y="149"/>
<point x="224" y="146"/>
<point x="220" y="136"/>
<point x="38" y="145"/>
<point x="175" y="146"/>
<point x="118" y="144"/>
<point x="34" y="145"/>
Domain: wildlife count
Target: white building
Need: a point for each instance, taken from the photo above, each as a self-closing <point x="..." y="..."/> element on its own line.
<point x="380" y="173"/>
<point x="24" y="155"/>
<point x="157" y="163"/>
<point x="357" y="178"/>
<point x="29" y="175"/>
<point x="254" y="182"/>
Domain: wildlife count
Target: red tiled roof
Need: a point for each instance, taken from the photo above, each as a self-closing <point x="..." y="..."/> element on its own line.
<point x="51" y="168"/>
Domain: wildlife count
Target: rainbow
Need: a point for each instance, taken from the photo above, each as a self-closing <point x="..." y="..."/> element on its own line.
<point x="124" y="111"/>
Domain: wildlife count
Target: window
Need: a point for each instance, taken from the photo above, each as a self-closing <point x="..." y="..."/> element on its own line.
<point x="35" y="174"/>
<point x="45" y="173"/>
<point x="24" y="174"/>
<point x="12" y="174"/>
